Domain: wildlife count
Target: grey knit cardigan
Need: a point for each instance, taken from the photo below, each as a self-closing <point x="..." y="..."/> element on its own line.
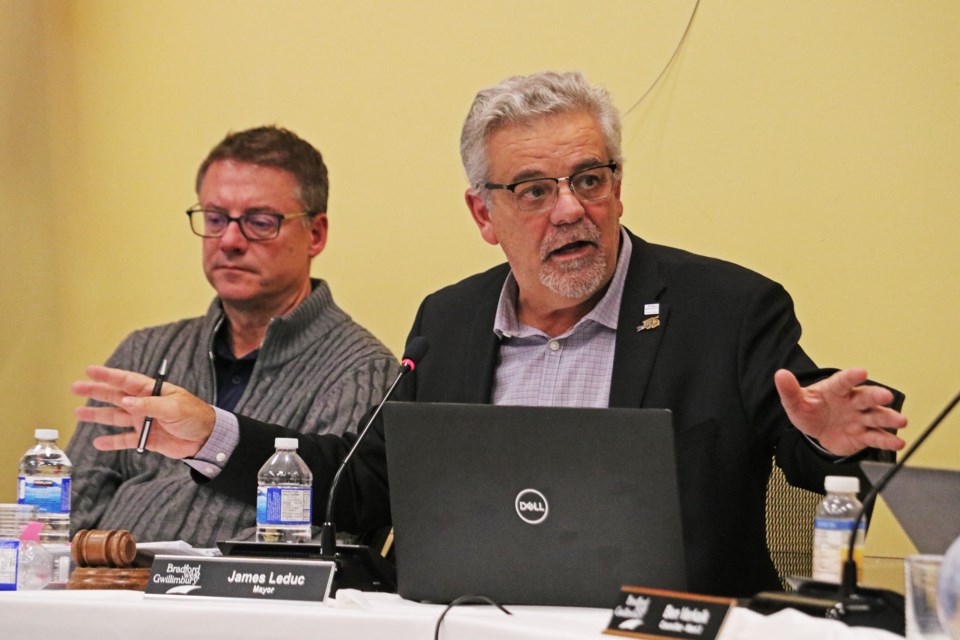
<point x="317" y="372"/>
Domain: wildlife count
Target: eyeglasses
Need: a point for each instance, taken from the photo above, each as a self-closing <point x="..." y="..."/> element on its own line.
<point x="255" y="226"/>
<point x="540" y="194"/>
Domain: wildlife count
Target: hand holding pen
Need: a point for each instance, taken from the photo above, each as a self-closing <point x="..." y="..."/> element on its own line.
<point x="181" y="421"/>
<point x="148" y="420"/>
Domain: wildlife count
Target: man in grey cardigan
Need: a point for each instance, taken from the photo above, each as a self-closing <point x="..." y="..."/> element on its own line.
<point x="273" y="345"/>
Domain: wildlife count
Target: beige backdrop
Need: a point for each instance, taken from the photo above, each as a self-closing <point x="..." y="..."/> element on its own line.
<point x="813" y="140"/>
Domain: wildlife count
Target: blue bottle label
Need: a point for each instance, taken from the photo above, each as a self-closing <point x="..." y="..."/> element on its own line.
<point x="49" y="495"/>
<point x="9" y="561"/>
<point x="835" y="524"/>
<point x="284" y="505"/>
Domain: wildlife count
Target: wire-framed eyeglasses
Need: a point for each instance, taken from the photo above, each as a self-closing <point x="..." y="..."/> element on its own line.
<point x="536" y="195"/>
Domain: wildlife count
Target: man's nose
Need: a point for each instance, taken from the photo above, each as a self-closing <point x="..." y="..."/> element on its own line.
<point x="233" y="236"/>
<point x="568" y="208"/>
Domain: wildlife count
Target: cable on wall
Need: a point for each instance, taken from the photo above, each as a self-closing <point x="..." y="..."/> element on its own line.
<point x="663" y="72"/>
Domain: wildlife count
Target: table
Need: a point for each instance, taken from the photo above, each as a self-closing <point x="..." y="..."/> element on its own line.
<point x="350" y="615"/>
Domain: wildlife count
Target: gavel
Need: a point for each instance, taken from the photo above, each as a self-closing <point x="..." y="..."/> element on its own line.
<point x="103" y="560"/>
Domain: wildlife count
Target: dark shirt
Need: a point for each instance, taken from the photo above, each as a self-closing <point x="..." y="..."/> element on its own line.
<point x="233" y="374"/>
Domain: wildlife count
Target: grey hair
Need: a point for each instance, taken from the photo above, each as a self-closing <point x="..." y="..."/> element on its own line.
<point x="526" y="98"/>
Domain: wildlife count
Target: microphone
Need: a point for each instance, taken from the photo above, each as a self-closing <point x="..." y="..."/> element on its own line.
<point x="871" y="607"/>
<point x="416" y="349"/>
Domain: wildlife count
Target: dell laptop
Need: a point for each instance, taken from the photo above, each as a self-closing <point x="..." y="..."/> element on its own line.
<point x="532" y="505"/>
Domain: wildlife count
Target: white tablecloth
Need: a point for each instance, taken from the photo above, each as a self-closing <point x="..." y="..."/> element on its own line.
<point x="121" y="615"/>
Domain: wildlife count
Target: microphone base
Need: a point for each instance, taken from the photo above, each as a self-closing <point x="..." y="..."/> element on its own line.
<point x="866" y="607"/>
<point x="360" y="567"/>
<point x="357" y="566"/>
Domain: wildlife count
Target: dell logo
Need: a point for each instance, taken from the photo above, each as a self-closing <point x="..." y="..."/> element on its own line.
<point x="531" y="506"/>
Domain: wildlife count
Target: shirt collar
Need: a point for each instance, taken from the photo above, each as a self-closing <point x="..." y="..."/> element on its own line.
<point x="222" y="349"/>
<point x="606" y="312"/>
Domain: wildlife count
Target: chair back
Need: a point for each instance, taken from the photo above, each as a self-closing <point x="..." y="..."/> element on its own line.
<point x="790" y="512"/>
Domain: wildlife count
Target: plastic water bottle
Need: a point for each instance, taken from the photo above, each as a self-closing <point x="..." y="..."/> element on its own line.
<point x="833" y="527"/>
<point x="44" y="482"/>
<point x="24" y="562"/>
<point x="284" y="496"/>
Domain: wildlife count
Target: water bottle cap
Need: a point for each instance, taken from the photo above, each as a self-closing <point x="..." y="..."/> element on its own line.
<point x="285" y="443"/>
<point x="46" y="434"/>
<point x="842" y="484"/>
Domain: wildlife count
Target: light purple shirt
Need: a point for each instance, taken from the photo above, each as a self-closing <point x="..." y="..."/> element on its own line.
<point x="573" y="369"/>
<point x="219" y="446"/>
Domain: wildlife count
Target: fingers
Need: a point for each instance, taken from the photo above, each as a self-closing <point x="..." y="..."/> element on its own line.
<point x="880" y="439"/>
<point x="98" y="391"/>
<point x="843" y="382"/>
<point x="883" y="418"/>
<point x="126" y="389"/>
<point x="855" y="439"/>
<point x="791" y="394"/>
<point x="869" y="397"/>
<point x="128" y="440"/>
<point x="843" y="385"/>
<point x="157" y="406"/>
<point x="111" y="386"/>
<point x="110" y="416"/>
<point x="134" y="384"/>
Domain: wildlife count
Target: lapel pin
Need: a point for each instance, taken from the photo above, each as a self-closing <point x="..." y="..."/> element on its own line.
<point x="649" y="323"/>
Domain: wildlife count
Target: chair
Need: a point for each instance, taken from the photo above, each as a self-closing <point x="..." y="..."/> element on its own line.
<point x="789" y="514"/>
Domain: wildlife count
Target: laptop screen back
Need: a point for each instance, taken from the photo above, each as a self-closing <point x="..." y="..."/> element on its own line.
<point x="926" y="503"/>
<point x="532" y="505"/>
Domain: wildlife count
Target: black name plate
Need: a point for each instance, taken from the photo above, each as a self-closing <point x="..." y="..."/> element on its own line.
<point x="654" y="613"/>
<point x="264" y="579"/>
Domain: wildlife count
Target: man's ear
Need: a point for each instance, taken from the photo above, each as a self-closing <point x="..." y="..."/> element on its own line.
<point x="318" y="234"/>
<point x="616" y="195"/>
<point x="481" y="215"/>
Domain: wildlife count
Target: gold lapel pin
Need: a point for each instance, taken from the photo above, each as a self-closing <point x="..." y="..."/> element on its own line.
<point x="649" y="323"/>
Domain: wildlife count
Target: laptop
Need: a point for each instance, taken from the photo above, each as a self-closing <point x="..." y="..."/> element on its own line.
<point x="532" y="505"/>
<point x="926" y="503"/>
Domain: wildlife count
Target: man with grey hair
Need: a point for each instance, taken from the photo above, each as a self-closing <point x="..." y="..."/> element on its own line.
<point x="273" y="344"/>
<point x="586" y="314"/>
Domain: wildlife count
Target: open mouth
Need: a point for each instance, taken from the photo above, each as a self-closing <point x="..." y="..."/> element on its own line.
<point x="570" y="248"/>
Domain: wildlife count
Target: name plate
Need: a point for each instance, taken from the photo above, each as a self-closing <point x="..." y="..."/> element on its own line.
<point x="655" y="613"/>
<point x="232" y="577"/>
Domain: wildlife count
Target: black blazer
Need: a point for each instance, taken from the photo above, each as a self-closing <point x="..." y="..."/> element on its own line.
<point x="723" y="332"/>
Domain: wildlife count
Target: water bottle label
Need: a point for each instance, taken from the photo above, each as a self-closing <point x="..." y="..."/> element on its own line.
<point x="831" y="541"/>
<point x="9" y="559"/>
<point x="283" y="505"/>
<point x="834" y="524"/>
<point x="49" y="495"/>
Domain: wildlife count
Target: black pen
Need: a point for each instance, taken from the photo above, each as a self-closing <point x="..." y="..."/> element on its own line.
<point x="147" y="421"/>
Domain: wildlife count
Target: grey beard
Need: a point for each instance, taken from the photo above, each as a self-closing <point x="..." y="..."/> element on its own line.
<point x="581" y="278"/>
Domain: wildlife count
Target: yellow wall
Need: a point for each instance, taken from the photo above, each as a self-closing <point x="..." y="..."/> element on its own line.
<point x="31" y="378"/>
<point x="813" y="140"/>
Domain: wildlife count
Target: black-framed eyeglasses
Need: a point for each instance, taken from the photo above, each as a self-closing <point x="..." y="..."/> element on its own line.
<point x="255" y="226"/>
<point x="540" y="194"/>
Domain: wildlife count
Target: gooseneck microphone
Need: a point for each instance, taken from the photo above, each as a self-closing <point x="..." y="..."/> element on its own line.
<point x="416" y="349"/>
<point x="848" y="583"/>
